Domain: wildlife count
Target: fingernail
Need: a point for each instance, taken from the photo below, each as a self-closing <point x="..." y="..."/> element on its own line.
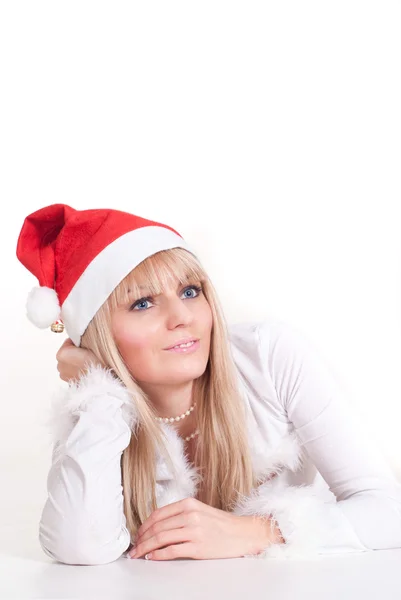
<point x="132" y="553"/>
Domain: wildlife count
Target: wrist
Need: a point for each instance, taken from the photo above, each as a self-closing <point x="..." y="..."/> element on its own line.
<point x="262" y="532"/>
<point x="272" y="532"/>
<point x="277" y="537"/>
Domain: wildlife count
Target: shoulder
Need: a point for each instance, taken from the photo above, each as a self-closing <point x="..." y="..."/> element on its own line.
<point x="265" y="353"/>
<point x="274" y="346"/>
<point x="286" y="347"/>
<point x="281" y="336"/>
<point x="268" y="335"/>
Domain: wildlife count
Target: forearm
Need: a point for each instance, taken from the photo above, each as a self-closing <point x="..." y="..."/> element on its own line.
<point x="83" y="521"/>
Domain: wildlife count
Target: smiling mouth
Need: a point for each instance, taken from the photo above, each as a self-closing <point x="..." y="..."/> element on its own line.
<point x="184" y="344"/>
<point x="186" y="347"/>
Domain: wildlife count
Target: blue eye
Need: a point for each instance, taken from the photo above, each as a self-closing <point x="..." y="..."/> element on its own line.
<point x="150" y="299"/>
<point x="193" y="287"/>
<point x="141" y="302"/>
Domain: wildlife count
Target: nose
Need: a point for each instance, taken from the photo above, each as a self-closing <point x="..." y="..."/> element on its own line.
<point x="178" y="312"/>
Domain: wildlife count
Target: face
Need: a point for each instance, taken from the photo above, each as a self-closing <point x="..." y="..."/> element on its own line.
<point x="145" y="327"/>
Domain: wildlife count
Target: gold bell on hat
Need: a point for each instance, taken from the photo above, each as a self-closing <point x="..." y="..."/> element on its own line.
<point x="57" y="326"/>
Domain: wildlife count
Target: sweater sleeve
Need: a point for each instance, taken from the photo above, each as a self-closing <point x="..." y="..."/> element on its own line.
<point x="83" y="522"/>
<point x="365" y="513"/>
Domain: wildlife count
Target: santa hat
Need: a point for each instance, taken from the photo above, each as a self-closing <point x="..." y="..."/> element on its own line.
<point x="80" y="256"/>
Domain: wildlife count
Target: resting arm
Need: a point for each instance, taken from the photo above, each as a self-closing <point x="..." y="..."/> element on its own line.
<point x="366" y="512"/>
<point x="83" y="522"/>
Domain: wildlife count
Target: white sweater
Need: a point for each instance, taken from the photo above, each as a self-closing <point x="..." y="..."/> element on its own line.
<point x="333" y="491"/>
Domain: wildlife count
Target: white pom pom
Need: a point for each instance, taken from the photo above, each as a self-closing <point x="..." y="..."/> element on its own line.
<point x="42" y="306"/>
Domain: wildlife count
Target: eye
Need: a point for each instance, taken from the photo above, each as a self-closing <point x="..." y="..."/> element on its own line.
<point x="139" y="302"/>
<point x="193" y="287"/>
<point x="142" y="301"/>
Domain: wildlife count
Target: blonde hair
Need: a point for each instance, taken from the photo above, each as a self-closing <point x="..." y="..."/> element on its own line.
<point x="222" y="456"/>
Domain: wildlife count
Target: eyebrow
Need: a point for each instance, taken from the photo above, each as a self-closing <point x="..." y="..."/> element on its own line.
<point x="145" y="287"/>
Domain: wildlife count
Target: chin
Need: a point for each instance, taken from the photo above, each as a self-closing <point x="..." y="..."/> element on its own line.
<point x="189" y="374"/>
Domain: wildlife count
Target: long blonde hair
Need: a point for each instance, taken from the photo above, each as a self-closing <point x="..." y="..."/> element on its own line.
<point x="222" y="456"/>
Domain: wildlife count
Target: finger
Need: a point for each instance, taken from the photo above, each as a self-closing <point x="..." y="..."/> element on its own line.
<point x="187" y="550"/>
<point x="68" y="342"/>
<point x="175" y="522"/>
<point x="170" y="510"/>
<point x="165" y="538"/>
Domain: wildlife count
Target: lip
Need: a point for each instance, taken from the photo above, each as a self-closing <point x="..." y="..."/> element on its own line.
<point x="182" y="341"/>
<point x="187" y="350"/>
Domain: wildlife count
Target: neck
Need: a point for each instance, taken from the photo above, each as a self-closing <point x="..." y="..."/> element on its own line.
<point x="173" y="401"/>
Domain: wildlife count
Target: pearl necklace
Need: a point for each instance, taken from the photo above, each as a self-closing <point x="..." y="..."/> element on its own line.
<point x="189" y="437"/>
<point x="172" y="419"/>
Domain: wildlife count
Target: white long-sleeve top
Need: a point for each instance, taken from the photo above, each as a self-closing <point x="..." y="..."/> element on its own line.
<point x="333" y="491"/>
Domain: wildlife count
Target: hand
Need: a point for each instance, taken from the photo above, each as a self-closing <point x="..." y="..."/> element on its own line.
<point x="72" y="361"/>
<point x="191" y="529"/>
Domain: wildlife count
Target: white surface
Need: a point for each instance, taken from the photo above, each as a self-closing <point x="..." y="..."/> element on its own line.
<point x="366" y="576"/>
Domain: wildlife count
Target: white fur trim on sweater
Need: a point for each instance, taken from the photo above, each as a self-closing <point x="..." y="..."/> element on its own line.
<point x="267" y="461"/>
<point x="309" y="524"/>
<point x="172" y="487"/>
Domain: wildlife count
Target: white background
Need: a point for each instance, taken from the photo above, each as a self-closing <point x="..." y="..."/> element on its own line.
<point x="267" y="133"/>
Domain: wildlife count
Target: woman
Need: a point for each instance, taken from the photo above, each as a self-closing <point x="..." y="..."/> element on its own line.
<point x="180" y="436"/>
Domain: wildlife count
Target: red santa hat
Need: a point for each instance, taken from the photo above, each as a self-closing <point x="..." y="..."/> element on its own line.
<point x="80" y="256"/>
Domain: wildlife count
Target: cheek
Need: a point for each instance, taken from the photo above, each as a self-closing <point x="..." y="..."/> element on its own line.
<point x="207" y="317"/>
<point x="133" y="345"/>
<point x="130" y="332"/>
<point x="132" y="342"/>
<point x="136" y="351"/>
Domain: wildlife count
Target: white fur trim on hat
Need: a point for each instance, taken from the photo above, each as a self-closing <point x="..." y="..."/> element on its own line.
<point x="42" y="306"/>
<point x="107" y="269"/>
